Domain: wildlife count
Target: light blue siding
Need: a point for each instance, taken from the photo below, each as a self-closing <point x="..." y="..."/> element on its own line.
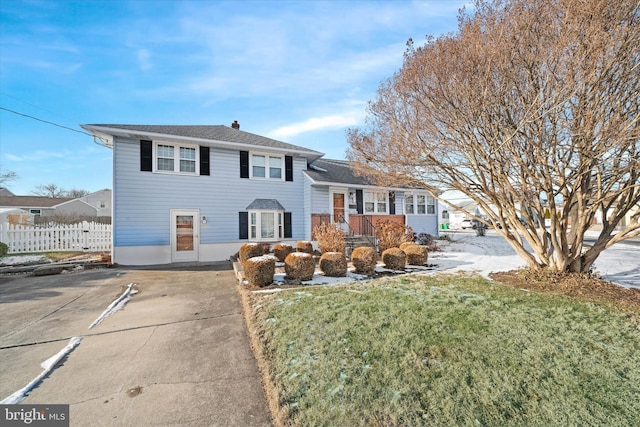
<point x="423" y="223"/>
<point x="143" y="200"/>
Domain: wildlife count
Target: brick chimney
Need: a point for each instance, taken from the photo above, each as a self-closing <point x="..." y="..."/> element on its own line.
<point x="235" y="125"/>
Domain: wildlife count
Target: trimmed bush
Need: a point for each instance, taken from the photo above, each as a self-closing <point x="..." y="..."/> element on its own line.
<point x="405" y="244"/>
<point x="364" y="259"/>
<point x="392" y="234"/>
<point x="394" y="259"/>
<point x="330" y="237"/>
<point x="304" y="246"/>
<point x="299" y="266"/>
<point x="333" y="264"/>
<point x="249" y="250"/>
<point x="281" y="250"/>
<point x="416" y="254"/>
<point x="4" y="249"/>
<point x="259" y="271"/>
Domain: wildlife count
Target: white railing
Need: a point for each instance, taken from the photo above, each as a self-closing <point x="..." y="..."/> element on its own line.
<point x="85" y="236"/>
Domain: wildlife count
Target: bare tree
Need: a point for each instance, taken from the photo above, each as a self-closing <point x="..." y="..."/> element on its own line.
<point x="531" y="109"/>
<point x="6" y="176"/>
<point x="76" y="193"/>
<point x="49" y="190"/>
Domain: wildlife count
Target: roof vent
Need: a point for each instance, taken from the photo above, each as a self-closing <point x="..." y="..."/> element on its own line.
<point x="235" y="125"/>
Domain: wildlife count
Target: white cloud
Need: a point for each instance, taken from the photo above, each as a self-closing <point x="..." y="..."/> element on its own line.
<point x="313" y="124"/>
<point x="144" y="59"/>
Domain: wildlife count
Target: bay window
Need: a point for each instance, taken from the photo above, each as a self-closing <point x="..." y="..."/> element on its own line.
<point x="266" y="225"/>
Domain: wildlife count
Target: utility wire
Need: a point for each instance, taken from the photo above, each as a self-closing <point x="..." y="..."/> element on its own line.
<point x="51" y="123"/>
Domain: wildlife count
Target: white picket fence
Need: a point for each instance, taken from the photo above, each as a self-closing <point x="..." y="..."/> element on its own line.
<point x="85" y="236"/>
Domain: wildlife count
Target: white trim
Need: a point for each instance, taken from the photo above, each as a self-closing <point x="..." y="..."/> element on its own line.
<point x="140" y="134"/>
<point x="176" y="158"/>
<point x="345" y="194"/>
<point x="267" y="168"/>
<point x="182" y="256"/>
<point x="375" y="202"/>
<point x="278" y="228"/>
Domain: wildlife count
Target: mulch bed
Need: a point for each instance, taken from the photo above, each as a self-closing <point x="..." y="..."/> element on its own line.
<point x="574" y="285"/>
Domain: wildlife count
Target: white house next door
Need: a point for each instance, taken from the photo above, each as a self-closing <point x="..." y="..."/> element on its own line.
<point x="185" y="234"/>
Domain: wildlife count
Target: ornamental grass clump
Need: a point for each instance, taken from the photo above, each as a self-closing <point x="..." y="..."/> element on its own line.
<point x="249" y="250"/>
<point x="330" y="237"/>
<point x="333" y="264"/>
<point x="259" y="271"/>
<point x="364" y="260"/>
<point x="304" y="246"/>
<point x="416" y="254"/>
<point x="299" y="266"/>
<point x="394" y="259"/>
<point x="281" y="250"/>
<point x="392" y="235"/>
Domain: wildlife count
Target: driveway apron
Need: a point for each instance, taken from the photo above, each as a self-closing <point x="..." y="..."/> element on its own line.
<point x="177" y="354"/>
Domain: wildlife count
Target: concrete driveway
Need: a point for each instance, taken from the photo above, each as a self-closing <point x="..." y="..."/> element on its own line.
<point x="178" y="354"/>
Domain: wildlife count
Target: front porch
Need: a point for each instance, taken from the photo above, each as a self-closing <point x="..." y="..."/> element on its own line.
<point x="356" y="224"/>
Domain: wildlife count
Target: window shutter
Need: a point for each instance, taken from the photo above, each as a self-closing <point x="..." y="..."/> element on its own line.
<point x="288" y="168"/>
<point x="243" y="225"/>
<point x="392" y="203"/>
<point x="359" y="204"/>
<point x="244" y="164"/>
<point x="204" y="161"/>
<point x="146" y="156"/>
<point x="287" y="225"/>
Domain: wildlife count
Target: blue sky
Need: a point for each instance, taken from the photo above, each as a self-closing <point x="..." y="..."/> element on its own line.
<point x="297" y="71"/>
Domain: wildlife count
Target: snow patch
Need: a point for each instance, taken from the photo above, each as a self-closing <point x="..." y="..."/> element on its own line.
<point x="48" y="366"/>
<point x="116" y="305"/>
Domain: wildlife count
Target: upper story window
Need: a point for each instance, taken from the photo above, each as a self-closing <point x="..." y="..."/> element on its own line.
<point x="419" y="204"/>
<point x="176" y="158"/>
<point x="102" y="204"/>
<point x="266" y="166"/>
<point x="375" y="202"/>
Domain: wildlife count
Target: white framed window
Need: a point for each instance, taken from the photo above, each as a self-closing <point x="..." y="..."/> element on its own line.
<point x="266" y="225"/>
<point x="266" y="166"/>
<point x="375" y="202"/>
<point x="176" y="158"/>
<point x="419" y="204"/>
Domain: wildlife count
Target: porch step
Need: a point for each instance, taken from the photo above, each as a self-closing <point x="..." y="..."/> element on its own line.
<point x="357" y="241"/>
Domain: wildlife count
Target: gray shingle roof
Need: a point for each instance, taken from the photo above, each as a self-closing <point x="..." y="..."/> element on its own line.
<point x="207" y="132"/>
<point x="265" y="204"/>
<point x="337" y="171"/>
<point x="32" y="201"/>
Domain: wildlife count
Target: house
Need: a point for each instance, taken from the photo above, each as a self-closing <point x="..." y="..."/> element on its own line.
<point x="197" y="193"/>
<point x="15" y="216"/>
<point x="97" y="204"/>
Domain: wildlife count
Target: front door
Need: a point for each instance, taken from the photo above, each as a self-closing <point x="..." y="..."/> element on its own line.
<point x="339" y="213"/>
<point x="185" y="234"/>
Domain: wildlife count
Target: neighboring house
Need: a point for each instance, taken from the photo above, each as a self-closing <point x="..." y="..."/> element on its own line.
<point x="96" y="204"/>
<point x="197" y="193"/>
<point x="5" y="192"/>
<point x="15" y="216"/>
<point x="35" y="205"/>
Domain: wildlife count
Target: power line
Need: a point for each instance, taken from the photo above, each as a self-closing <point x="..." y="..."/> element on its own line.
<point x="50" y="123"/>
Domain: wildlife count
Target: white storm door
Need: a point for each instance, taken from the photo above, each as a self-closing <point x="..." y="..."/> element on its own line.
<point x="339" y="208"/>
<point x="185" y="234"/>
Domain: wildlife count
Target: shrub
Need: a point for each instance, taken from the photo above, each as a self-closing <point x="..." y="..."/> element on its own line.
<point x="281" y="250"/>
<point x="416" y="254"/>
<point x="4" y="249"/>
<point x="249" y="250"/>
<point x="392" y="234"/>
<point x="304" y="246"/>
<point x="299" y="266"/>
<point x="405" y="244"/>
<point x="394" y="259"/>
<point x="364" y="259"/>
<point x="333" y="264"/>
<point x="429" y="240"/>
<point x="259" y="271"/>
<point x="330" y="237"/>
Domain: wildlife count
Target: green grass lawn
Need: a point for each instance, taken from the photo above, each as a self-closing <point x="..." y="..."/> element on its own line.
<point x="446" y="351"/>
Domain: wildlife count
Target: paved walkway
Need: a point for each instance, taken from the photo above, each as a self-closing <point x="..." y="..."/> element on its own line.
<point x="178" y="354"/>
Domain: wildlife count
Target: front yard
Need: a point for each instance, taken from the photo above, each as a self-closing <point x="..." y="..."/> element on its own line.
<point x="444" y="350"/>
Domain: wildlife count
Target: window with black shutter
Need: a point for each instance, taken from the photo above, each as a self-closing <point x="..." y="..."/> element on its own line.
<point x="244" y="164"/>
<point x="204" y="161"/>
<point x="288" y="168"/>
<point x="146" y="156"/>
